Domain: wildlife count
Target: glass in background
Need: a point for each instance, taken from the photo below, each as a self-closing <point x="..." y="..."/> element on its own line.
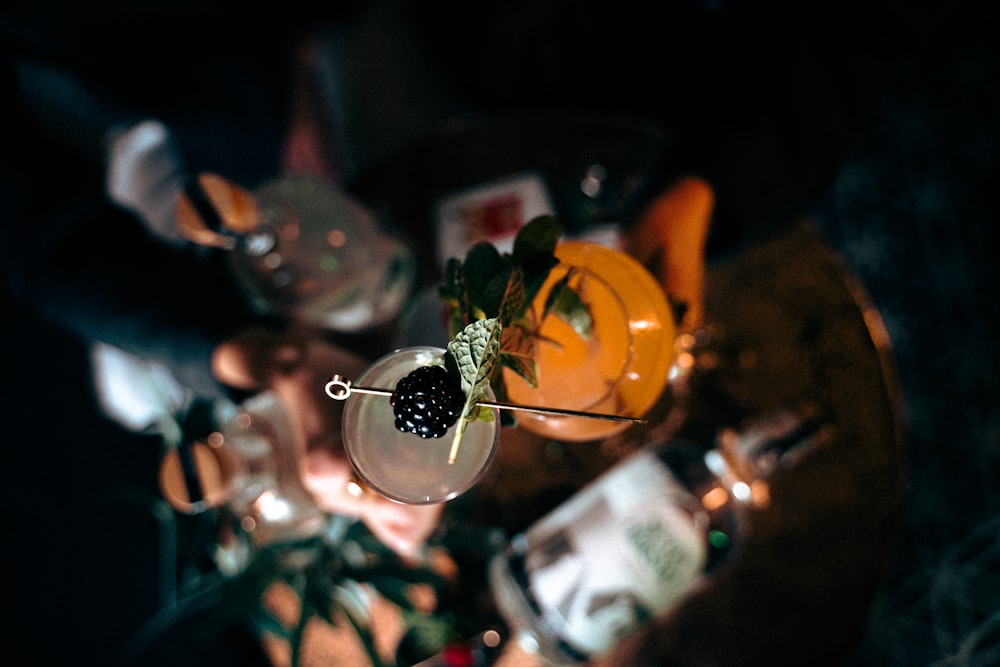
<point x="303" y="249"/>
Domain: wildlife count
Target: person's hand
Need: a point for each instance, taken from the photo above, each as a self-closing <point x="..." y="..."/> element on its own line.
<point x="669" y="239"/>
<point x="296" y="367"/>
<point x="328" y="475"/>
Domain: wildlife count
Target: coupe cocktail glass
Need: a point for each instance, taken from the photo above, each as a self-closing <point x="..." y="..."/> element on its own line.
<point x="620" y="368"/>
<point x="403" y="466"/>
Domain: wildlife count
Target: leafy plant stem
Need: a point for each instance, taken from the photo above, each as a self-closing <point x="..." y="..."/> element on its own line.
<point x="456" y="440"/>
<point x="300" y="627"/>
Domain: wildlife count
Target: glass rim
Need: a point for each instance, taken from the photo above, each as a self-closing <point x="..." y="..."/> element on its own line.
<point x="434" y="354"/>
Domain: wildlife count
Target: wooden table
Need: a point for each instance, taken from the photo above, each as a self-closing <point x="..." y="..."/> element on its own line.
<point x="790" y="326"/>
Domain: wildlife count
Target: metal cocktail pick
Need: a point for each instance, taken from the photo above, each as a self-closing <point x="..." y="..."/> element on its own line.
<point x="340" y="389"/>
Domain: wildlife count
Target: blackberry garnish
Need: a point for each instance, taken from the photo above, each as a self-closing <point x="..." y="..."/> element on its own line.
<point x="427" y="402"/>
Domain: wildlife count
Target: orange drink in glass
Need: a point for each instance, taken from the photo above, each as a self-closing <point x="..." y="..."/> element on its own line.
<point x="620" y="368"/>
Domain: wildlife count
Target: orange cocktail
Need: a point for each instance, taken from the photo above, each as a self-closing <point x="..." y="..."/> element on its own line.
<point x="621" y="367"/>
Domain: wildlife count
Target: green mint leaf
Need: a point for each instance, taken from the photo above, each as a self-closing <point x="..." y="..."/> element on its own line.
<point x="513" y="303"/>
<point x="534" y="251"/>
<point x="486" y="273"/>
<point x="521" y="364"/>
<point x="495" y="291"/>
<point x="476" y="350"/>
<point x="537" y="239"/>
<point x="454" y="295"/>
<point x="565" y="303"/>
<point x="489" y="285"/>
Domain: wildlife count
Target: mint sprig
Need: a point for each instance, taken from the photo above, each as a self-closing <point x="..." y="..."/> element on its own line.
<point x="490" y="285"/>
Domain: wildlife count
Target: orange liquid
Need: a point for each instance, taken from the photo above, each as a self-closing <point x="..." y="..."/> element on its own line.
<point x="620" y="368"/>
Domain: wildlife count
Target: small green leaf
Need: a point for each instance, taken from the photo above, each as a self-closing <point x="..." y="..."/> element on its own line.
<point x="514" y="301"/>
<point x="454" y="295"/>
<point x="486" y="273"/>
<point x="394" y="590"/>
<point x="427" y="633"/>
<point x="476" y="350"/>
<point x="534" y="251"/>
<point x="522" y="365"/>
<point x="266" y="622"/>
<point x="567" y="305"/>
<point x="537" y="239"/>
<point x="494" y="291"/>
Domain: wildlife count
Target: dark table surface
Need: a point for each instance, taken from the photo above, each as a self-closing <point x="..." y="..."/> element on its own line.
<point x="790" y="326"/>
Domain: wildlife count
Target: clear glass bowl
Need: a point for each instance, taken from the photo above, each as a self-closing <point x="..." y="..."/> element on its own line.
<point x="403" y="466"/>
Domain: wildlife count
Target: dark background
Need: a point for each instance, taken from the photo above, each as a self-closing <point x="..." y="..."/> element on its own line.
<point x="913" y="208"/>
<point x="915" y="212"/>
